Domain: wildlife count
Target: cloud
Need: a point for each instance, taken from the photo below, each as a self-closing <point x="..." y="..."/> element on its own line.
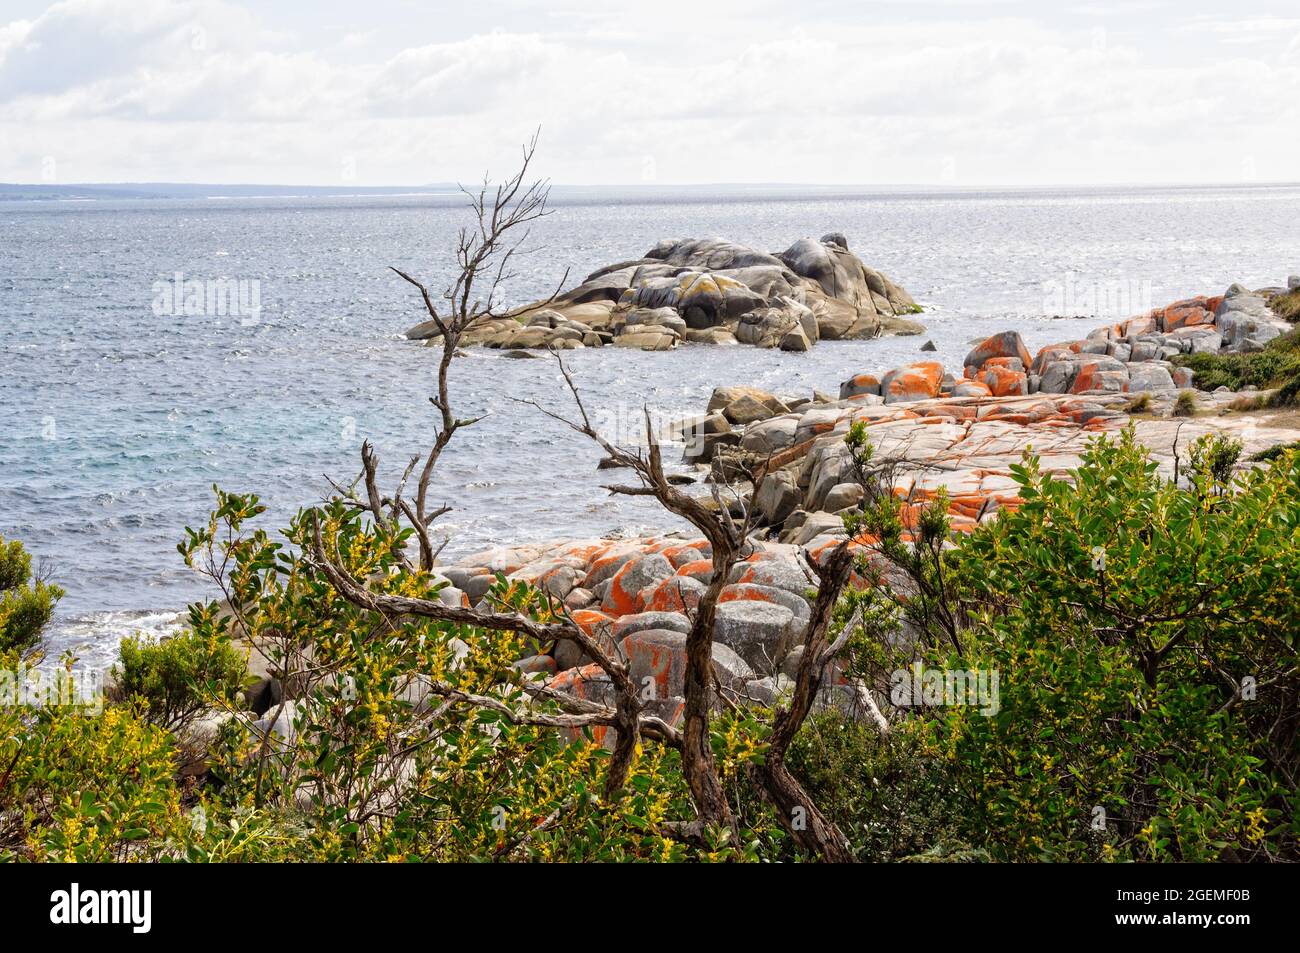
<point x="121" y="90"/>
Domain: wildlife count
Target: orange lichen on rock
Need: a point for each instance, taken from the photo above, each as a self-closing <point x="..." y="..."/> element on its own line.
<point x="915" y="382"/>
<point x="683" y="554"/>
<point x="700" y="569"/>
<point x="1005" y="381"/>
<point x="590" y="621"/>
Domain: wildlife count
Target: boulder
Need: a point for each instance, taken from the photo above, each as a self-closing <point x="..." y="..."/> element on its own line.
<point x="712" y="254"/>
<point x="679" y="593"/>
<point x="814" y="527"/>
<point x="1149" y="377"/>
<point x="1051" y="354"/>
<point x="604" y="567"/>
<point x="778" y="496"/>
<point x="655" y="317"/>
<point x="768" y="691"/>
<point x="766" y="326"/>
<point x="644" y="621"/>
<point x="279" y="721"/>
<point x="860" y="384"/>
<point x="1005" y="381"/>
<point x="687" y="554"/>
<point x="769" y="436"/>
<point x="964" y="388"/>
<point x="711" y="336"/>
<point x="1058" y="377"/>
<point x="702" y="300"/>
<point x="648" y="338"/>
<point x="1188" y="313"/>
<point x="759" y="632"/>
<point x="424" y="331"/>
<point x="588" y="682"/>
<point x="656" y="661"/>
<point x="777" y="571"/>
<point x="1097" y="376"/>
<point x="605" y="285"/>
<point x="842" y="496"/>
<point x="537" y="664"/>
<point x="700" y="570"/>
<point x="750" y="592"/>
<point x="817" y="421"/>
<point x="795" y="340"/>
<point x="918" y="381"/>
<point x="748" y="409"/>
<point x="722" y="397"/>
<point x="1005" y="344"/>
<point x="695" y="433"/>
<point x="1245" y="321"/>
<point x="635" y="575"/>
<point x="841" y="275"/>
<point x="703" y="449"/>
<point x="1143" y="350"/>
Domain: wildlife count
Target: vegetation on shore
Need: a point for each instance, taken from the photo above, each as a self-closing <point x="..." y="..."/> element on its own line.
<point x="26" y="601"/>
<point x="1144" y="631"/>
<point x="1277" y="366"/>
<point x="1286" y="304"/>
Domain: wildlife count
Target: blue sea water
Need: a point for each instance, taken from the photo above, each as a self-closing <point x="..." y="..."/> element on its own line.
<point x="116" y="417"/>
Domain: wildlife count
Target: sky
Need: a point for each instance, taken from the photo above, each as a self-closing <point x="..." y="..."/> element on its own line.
<point x="400" y="92"/>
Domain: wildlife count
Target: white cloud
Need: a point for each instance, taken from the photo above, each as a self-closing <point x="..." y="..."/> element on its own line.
<point x="121" y="90"/>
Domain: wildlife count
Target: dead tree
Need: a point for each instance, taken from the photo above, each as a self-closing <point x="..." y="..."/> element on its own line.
<point x="484" y="253"/>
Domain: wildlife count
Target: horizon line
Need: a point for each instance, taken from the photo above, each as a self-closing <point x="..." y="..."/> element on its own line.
<point x="456" y="187"/>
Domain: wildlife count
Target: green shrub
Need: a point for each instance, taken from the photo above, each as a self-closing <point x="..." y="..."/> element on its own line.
<point x="1184" y="405"/>
<point x="180" y="676"/>
<point x="1144" y="633"/>
<point x="1277" y="366"/>
<point x="77" y="782"/>
<point x="1275" y="452"/>
<point x="85" y="786"/>
<point x="393" y="773"/>
<point x="1286" y="305"/>
<point x="1139" y="405"/>
<point x="26" y="604"/>
<point x="1212" y="459"/>
<point x="1146" y="638"/>
<point x="1288" y="393"/>
<point x="891" y="796"/>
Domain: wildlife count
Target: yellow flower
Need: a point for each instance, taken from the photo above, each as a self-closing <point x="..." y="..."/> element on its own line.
<point x="1255" y="825"/>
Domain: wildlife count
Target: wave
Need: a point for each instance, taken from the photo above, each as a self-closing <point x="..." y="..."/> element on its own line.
<point x="94" y="636"/>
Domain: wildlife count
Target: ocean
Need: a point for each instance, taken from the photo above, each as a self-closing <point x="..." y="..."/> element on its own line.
<point x="120" y="407"/>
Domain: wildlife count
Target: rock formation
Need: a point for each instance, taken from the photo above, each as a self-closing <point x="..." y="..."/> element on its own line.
<point x="957" y="434"/>
<point x="1133" y="355"/>
<point x="711" y="291"/>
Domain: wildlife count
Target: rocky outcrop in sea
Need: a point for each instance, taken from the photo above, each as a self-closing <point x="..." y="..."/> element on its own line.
<point x="710" y="291"/>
